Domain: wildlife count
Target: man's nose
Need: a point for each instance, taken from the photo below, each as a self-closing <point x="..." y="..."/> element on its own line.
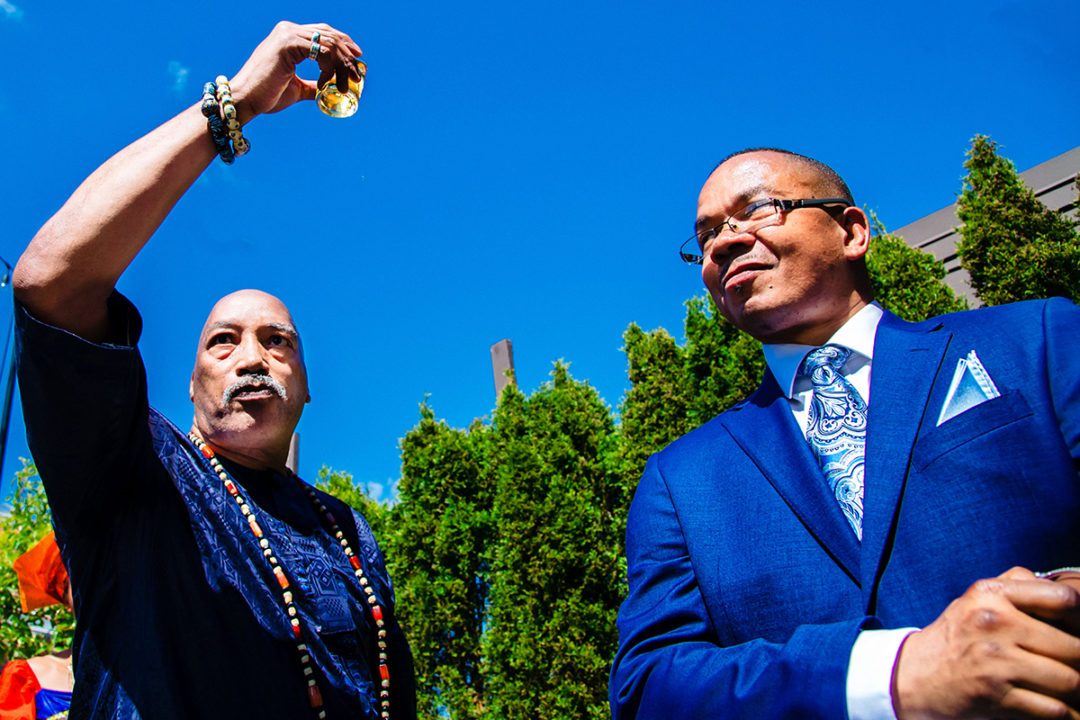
<point x="727" y="244"/>
<point x="251" y="357"/>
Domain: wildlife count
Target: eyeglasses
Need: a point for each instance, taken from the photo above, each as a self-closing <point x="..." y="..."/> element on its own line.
<point x="758" y="214"/>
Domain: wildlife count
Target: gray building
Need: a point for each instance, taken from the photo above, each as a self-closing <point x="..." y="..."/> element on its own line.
<point x="1054" y="184"/>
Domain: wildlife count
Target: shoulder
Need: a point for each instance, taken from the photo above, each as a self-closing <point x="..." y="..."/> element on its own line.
<point x="339" y="510"/>
<point x="1021" y="314"/>
<point x="1022" y="326"/>
<point x="710" y="437"/>
<point x="16" y="670"/>
<point x="17" y="687"/>
<point x="348" y="519"/>
<point x="707" y="444"/>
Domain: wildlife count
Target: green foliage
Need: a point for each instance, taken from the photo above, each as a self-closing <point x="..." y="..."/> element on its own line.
<point x="906" y="280"/>
<point x="556" y="573"/>
<point x="27" y="521"/>
<point x="341" y="485"/>
<point x="675" y="389"/>
<point x="437" y="555"/>
<point x="1013" y="246"/>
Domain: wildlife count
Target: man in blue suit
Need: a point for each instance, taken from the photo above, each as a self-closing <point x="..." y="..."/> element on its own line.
<point x="765" y="581"/>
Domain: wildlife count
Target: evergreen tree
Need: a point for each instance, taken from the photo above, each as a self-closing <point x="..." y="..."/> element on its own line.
<point x="556" y="567"/>
<point x="675" y="389"/>
<point x="341" y="485"/>
<point x="906" y="280"/>
<point x="438" y="536"/>
<point x="1013" y="246"/>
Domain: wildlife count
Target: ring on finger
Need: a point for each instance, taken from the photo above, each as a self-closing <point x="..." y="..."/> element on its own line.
<point x="314" y="51"/>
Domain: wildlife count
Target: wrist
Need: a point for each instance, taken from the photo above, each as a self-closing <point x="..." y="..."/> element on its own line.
<point x="245" y="110"/>
<point x="245" y="113"/>
<point x="894" y="686"/>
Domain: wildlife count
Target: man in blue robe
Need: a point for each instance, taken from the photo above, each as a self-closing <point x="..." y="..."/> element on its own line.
<point x="208" y="580"/>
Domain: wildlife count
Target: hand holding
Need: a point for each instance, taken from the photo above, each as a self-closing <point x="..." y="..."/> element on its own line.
<point x="267" y="83"/>
<point x="994" y="653"/>
<point x="1071" y="621"/>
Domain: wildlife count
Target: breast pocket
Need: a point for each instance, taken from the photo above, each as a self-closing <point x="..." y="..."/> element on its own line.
<point x="988" y="427"/>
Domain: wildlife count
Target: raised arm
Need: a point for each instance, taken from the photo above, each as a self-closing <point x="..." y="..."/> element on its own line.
<point x="72" y="264"/>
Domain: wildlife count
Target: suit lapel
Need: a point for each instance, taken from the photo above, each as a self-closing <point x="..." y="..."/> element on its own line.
<point x="764" y="428"/>
<point x="906" y="362"/>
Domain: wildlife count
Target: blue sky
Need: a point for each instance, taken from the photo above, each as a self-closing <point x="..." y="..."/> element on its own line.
<point x="516" y="170"/>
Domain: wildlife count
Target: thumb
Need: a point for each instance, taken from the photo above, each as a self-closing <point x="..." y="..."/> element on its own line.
<point x="307" y="88"/>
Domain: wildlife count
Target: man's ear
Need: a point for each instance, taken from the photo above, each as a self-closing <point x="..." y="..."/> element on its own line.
<point x="191" y="387"/>
<point x="857" y="228"/>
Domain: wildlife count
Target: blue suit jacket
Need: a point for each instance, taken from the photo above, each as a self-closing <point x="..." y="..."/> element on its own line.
<point x="747" y="586"/>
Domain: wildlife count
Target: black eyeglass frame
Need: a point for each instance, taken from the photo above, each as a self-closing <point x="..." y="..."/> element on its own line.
<point x="782" y="204"/>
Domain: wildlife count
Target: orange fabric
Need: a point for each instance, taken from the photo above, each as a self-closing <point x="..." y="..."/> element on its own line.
<point x="42" y="576"/>
<point x="18" y="686"/>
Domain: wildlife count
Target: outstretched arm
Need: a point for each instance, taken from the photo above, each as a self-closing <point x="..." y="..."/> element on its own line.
<point x="72" y="264"/>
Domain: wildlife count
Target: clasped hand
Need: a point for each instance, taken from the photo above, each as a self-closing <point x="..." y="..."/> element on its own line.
<point x="1007" y="648"/>
<point x="267" y="83"/>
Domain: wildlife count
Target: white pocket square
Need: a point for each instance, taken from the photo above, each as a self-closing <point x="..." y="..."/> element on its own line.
<point x="971" y="385"/>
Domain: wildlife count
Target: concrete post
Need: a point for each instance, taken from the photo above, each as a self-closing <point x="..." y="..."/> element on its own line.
<point x="293" y="461"/>
<point x="502" y="360"/>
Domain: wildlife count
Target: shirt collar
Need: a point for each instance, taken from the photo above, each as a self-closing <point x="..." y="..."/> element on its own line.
<point x="857" y="333"/>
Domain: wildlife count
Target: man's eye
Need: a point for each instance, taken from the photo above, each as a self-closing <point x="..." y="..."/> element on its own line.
<point x="759" y="209"/>
<point x="706" y="236"/>
<point x="279" y="341"/>
<point x="221" y="339"/>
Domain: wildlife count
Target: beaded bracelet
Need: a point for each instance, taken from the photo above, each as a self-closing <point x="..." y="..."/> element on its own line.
<point x="240" y="144"/>
<point x="214" y="125"/>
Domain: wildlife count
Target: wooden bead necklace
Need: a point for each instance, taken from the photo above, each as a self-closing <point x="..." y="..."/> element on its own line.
<point x="314" y="695"/>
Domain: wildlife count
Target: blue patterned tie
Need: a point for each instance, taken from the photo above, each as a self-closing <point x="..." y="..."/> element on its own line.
<point x="837" y="429"/>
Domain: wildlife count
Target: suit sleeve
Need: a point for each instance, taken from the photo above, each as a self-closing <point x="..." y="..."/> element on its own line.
<point x="1061" y="322"/>
<point x="670" y="663"/>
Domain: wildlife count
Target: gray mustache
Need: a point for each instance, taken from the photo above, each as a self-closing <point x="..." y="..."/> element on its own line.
<point x="250" y="381"/>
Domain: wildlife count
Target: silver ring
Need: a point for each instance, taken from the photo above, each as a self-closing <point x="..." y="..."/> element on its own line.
<point x="315" y="36"/>
<point x="313" y="53"/>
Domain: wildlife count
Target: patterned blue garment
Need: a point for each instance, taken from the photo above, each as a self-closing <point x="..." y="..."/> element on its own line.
<point x="179" y="615"/>
<point x="837" y="429"/>
<point x="52" y="704"/>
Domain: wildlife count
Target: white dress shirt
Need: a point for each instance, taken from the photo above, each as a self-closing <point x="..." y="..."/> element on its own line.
<point x="869" y="678"/>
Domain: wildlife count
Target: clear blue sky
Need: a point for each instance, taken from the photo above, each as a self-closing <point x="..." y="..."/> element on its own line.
<point x="516" y="170"/>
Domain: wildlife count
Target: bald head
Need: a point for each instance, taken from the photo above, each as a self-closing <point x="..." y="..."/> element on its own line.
<point x="823" y="178"/>
<point x="249" y="295"/>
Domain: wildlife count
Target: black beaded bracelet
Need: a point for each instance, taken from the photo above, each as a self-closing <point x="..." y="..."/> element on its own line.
<point x="214" y="124"/>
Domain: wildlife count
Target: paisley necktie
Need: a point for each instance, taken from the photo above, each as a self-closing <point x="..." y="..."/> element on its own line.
<point x="837" y="429"/>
